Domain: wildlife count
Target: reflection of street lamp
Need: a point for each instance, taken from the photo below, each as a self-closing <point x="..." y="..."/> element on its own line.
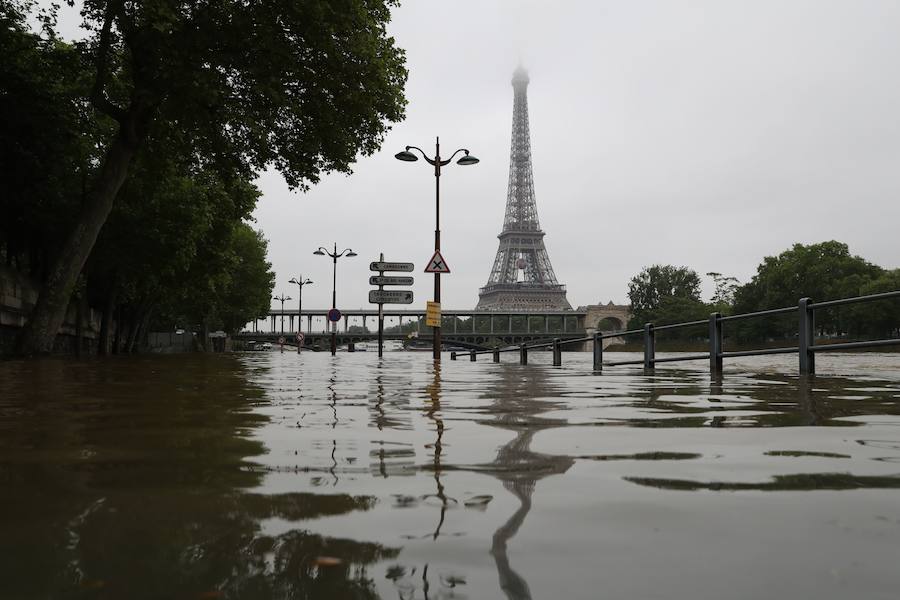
<point x="467" y="159"/>
<point x="300" y="282"/>
<point x="334" y="256"/>
<point x="282" y="298"/>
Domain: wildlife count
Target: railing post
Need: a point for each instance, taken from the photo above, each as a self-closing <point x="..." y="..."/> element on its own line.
<point x="453" y="356"/>
<point x="496" y="354"/>
<point x="557" y="353"/>
<point x="715" y="344"/>
<point x="472" y="356"/>
<point x="598" y="351"/>
<point x="649" y="346"/>
<point x="523" y="353"/>
<point x="805" y="337"/>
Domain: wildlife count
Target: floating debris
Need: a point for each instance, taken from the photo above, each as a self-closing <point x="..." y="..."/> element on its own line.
<point x="479" y="501"/>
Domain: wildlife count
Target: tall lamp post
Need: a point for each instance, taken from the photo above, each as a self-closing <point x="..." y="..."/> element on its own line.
<point x="300" y="283"/>
<point x="334" y="256"/>
<point x="282" y="297"/>
<point x="466" y="159"/>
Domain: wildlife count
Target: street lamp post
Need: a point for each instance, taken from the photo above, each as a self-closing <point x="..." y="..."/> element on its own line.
<point x="300" y="282"/>
<point x="282" y="297"/>
<point x="466" y="159"/>
<point x="334" y="256"/>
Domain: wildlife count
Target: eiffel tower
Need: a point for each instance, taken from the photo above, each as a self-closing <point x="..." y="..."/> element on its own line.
<point x="522" y="277"/>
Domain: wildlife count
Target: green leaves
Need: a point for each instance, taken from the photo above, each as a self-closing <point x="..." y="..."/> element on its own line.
<point x="304" y="86"/>
<point x="188" y="101"/>
<point x="824" y="271"/>
<point x="664" y="294"/>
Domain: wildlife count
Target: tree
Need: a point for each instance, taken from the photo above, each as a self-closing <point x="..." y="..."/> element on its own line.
<point x="249" y="291"/>
<point x="47" y="148"/>
<point x="723" y="296"/>
<point x="664" y="294"/>
<point x="824" y="271"/>
<point x="880" y="318"/>
<point x="167" y="241"/>
<point x="301" y="86"/>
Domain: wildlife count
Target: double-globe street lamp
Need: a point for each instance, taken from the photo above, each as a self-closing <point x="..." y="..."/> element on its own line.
<point x="334" y="256"/>
<point x="300" y="282"/>
<point x="466" y="159"/>
<point x="282" y="297"/>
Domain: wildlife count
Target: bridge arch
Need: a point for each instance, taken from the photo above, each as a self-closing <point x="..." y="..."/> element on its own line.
<point x="606" y="317"/>
<point x="611" y="323"/>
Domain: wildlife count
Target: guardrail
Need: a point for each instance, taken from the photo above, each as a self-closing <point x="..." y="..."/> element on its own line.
<point x="806" y="348"/>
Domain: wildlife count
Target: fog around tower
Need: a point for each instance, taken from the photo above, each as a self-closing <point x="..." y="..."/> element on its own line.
<point x="704" y="133"/>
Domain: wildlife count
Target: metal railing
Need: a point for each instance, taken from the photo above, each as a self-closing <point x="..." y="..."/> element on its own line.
<point x="806" y="348"/>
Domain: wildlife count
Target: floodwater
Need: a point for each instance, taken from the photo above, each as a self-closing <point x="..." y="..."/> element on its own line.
<point x="268" y="475"/>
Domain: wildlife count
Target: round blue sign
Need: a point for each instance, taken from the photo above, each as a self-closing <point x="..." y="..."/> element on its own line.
<point x="334" y="315"/>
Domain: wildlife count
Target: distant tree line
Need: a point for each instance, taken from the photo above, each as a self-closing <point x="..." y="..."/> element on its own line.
<point x="128" y="157"/>
<point x="665" y="294"/>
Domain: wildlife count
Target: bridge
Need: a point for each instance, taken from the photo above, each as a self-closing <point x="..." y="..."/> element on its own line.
<point x="464" y="328"/>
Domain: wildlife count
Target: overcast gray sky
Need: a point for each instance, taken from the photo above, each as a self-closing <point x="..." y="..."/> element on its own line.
<point x="700" y="133"/>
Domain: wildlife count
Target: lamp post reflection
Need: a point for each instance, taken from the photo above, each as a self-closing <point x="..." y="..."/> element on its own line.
<point x="434" y="413"/>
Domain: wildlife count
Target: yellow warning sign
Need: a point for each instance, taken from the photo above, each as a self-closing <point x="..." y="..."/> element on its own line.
<point x="433" y="314"/>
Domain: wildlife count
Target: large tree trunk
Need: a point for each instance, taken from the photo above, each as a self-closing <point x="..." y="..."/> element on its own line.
<point x="56" y="291"/>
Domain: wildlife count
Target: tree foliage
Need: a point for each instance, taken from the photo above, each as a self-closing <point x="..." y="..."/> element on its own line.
<point x="47" y="141"/>
<point x="188" y="91"/>
<point x="824" y="271"/>
<point x="725" y="288"/>
<point x="665" y="294"/>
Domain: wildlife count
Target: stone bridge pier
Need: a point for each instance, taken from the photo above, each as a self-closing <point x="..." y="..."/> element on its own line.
<point x="605" y="318"/>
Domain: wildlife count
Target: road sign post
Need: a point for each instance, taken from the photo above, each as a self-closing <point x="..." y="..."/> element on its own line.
<point x="437" y="265"/>
<point x="380" y="307"/>
<point x="382" y="296"/>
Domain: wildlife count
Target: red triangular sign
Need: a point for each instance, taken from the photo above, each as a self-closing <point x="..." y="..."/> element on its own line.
<point x="437" y="264"/>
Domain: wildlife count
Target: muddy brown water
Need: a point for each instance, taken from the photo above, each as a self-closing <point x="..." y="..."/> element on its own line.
<point x="268" y="475"/>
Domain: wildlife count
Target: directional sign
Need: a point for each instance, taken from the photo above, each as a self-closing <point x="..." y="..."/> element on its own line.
<point x="437" y="264"/>
<point x="391" y="266"/>
<point x="334" y="315"/>
<point x="390" y="297"/>
<point x="390" y="280"/>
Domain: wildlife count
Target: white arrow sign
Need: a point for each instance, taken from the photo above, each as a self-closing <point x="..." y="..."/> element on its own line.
<point x="390" y="297"/>
<point x="391" y="266"/>
<point x="390" y="280"/>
